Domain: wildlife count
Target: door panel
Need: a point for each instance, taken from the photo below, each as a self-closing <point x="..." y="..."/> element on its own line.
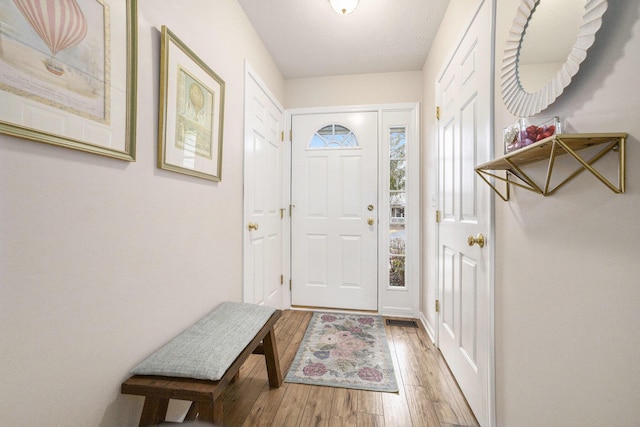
<point x="468" y="160"/>
<point x="334" y="249"/>
<point x="447" y="171"/>
<point x="468" y="310"/>
<point x="317" y="250"/>
<point x="317" y="191"/>
<point x="448" y="312"/>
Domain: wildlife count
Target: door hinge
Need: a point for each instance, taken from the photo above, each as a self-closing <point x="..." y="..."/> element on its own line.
<point x="282" y="279"/>
<point x="282" y="212"/>
<point x="438" y="216"/>
<point x="291" y="209"/>
<point x="290" y="134"/>
<point x="437" y="113"/>
<point x="282" y="136"/>
<point x="290" y="285"/>
<point x="437" y="306"/>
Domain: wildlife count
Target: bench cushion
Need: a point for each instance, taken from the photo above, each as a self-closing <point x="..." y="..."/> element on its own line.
<point x="207" y="349"/>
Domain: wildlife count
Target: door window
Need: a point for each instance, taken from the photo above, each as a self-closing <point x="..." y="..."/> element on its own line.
<point x="334" y="136"/>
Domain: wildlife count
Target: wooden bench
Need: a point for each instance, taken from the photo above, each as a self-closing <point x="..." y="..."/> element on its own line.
<point x="203" y="393"/>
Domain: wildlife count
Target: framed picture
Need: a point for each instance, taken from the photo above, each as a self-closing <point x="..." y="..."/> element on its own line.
<point x="191" y="112"/>
<point x="68" y="73"/>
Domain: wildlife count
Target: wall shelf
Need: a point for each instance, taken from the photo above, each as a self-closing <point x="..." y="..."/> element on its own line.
<point x="548" y="150"/>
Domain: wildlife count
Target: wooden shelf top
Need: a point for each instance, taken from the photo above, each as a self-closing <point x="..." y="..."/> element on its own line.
<point x="541" y="150"/>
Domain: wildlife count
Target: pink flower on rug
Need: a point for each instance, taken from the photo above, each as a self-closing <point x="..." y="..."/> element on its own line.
<point x="329" y="339"/>
<point x="341" y="354"/>
<point x="351" y="345"/>
<point x="355" y="330"/>
<point x="370" y="374"/>
<point x="315" y="370"/>
<point x="328" y="318"/>
<point x="344" y="335"/>
<point x="365" y="320"/>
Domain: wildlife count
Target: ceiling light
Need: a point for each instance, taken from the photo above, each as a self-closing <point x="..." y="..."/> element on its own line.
<point x="344" y="7"/>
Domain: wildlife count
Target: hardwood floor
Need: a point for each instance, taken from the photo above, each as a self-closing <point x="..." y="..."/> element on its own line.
<point x="429" y="396"/>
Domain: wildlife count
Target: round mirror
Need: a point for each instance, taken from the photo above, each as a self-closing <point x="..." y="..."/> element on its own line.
<point x="547" y="42"/>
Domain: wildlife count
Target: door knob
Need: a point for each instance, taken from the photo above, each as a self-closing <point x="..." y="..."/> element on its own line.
<point x="370" y="221"/>
<point x="252" y="226"/>
<point x="479" y="240"/>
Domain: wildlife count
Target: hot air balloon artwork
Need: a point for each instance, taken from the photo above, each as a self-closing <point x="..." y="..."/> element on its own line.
<point x="194" y="121"/>
<point x="59" y="23"/>
<point x="191" y="111"/>
<point x="68" y="75"/>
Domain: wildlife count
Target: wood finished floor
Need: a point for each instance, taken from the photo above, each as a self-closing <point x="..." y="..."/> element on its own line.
<point x="429" y="396"/>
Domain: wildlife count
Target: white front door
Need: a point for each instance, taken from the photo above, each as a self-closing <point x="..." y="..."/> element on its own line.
<point x="335" y="210"/>
<point x="263" y="266"/>
<point x="465" y="135"/>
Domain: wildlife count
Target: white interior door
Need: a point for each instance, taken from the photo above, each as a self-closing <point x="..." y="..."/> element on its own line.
<point x="263" y="263"/>
<point x="464" y="96"/>
<point x="334" y="219"/>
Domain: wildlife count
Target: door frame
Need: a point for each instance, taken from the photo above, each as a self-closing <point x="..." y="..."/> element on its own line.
<point x="491" y="233"/>
<point x="387" y="304"/>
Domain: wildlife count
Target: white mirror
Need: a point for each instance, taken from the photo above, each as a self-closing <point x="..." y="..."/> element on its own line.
<point x="547" y="42"/>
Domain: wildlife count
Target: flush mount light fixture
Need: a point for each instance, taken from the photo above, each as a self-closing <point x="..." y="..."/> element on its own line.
<point x="344" y="7"/>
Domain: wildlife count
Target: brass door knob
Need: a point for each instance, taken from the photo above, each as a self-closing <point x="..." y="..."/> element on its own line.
<point x="479" y="240"/>
<point x="252" y="226"/>
<point x="371" y="221"/>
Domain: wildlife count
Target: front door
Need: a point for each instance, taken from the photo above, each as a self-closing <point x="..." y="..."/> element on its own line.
<point x="334" y="214"/>
<point x="464" y="96"/>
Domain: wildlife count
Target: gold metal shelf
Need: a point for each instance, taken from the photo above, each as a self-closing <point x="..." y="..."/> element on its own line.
<point x="548" y="149"/>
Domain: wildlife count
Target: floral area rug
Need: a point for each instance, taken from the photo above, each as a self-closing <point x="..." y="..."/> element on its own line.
<point x="344" y="350"/>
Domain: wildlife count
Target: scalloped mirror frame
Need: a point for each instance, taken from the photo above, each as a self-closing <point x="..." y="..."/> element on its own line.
<point x="522" y="103"/>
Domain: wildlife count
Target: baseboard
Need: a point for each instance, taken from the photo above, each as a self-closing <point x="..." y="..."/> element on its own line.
<point x="397" y="312"/>
<point x="427" y="327"/>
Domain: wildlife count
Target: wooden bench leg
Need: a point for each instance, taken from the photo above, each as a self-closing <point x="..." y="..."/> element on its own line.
<point x="209" y="412"/>
<point x="154" y="411"/>
<point x="271" y="357"/>
<point x="192" y="413"/>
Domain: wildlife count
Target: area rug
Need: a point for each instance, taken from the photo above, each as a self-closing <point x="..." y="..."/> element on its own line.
<point x="344" y="350"/>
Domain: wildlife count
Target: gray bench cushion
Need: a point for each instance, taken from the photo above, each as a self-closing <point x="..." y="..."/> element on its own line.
<point x="207" y="349"/>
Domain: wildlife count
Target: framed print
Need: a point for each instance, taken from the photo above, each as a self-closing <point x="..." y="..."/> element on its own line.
<point x="191" y="112"/>
<point x="68" y="73"/>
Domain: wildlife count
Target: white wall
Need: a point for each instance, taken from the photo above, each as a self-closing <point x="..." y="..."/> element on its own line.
<point x="102" y="261"/>
<point x="567" y="294"/>
<point x="356" y="89"/>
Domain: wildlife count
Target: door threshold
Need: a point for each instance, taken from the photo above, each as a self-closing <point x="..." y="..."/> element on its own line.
<point x="331" y="309"/>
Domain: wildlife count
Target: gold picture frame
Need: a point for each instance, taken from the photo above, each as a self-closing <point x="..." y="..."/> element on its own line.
<point x="68" y="74"/>
<point x="191" y="113"/>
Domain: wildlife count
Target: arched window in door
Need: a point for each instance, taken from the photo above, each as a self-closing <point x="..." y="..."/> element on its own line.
<point x="334" y="136"/>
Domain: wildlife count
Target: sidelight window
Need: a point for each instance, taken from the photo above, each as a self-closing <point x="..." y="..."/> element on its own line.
<point x="397" y="204"/>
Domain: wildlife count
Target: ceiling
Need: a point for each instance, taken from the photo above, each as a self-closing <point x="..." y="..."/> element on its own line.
<point x="306" y="38"/>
